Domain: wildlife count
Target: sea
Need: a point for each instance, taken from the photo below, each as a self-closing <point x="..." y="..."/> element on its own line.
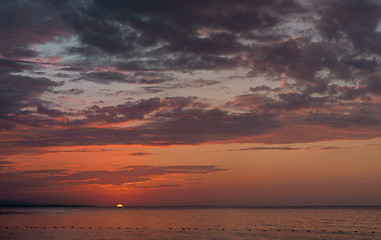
<point x="190" y="223"/>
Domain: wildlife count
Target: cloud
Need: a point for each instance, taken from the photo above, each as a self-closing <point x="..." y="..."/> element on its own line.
<point x="171" y="34"/>
<point x="17" y="90"/>
<point x="186" y="120"/>
<point x="36" y="180"/>
<point x="145" y="78"/>
<point x="105" y="77"/>
<point x="289" y="148"/>
<point x="333" y="148"/>
<point x="268" y="100"/>
<point x="14" y="66"/>
<point x="345" y="120"/>
<point x="173" y="120"/>
<point x="351" y="20"/>
<point x="183" y="127"/>
<point x="5" y="164"/>
<point x="267" y="148"/>
<point x="140" y="154"/>
<point x="21" y="25"/>
<point x="196" y="126"/>
<point x="83" y="150"/>
<point x="203" y="83"/>
<point x="50" y="112"/>
<point x="62" y="75"/>
<point x="122" y="112"/>
<point x="324" y="58"/>
<point x="74" y="91"/>
<point x="159" y="186"/>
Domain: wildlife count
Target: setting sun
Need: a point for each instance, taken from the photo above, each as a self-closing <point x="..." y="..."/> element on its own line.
<point x="119" y="205"/>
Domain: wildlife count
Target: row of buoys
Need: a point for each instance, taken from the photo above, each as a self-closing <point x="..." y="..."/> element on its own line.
<point x="223" y="229"/>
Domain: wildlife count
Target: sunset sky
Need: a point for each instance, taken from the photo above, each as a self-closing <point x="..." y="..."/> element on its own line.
<point x="190" y="102"/>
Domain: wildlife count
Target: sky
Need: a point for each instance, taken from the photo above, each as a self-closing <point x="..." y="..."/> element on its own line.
<point x="177" y="102"/>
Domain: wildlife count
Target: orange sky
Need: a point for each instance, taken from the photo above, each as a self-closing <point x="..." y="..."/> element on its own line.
<point x="190" y="102"/>
<point x="347" y="172"/>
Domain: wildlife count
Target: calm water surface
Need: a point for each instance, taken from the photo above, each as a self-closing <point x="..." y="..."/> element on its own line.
<point x="190" y="223"/>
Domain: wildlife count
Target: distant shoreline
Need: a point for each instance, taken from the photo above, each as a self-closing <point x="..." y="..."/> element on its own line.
<point x="43" y="206"/>
<point x="190" y="207"/>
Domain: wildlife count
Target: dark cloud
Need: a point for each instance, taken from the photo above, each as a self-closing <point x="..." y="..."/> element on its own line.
<point x="74" y="91"/>
<point x="5" y="167"/>
<point x="122" y="112"/>
<point x="153" y="89"/>
<point x="6" y="150"/>
<point x="159" y="186"/>
<point x="50" y="112"/>
<point x="20" y="83"/>
<point x="88" y="150"/>
<point x="343" y="120"/>
<point x="279" y="102"/>
<point x="136" y="110"/>
<point x="195" y="126"/>
<point x="172" y="34"/>
<point x="260" y="88"/>
<point x="164" y="87"/>
<point x="266" y="148"/>
<point x="146" y="77"/>
<point x="179" y="103"/>
<point x="14" y="66"/>
<point x="75" y="68"/>
<point x="17" y="91"/>
<point x="150" y="77"/>
<point x="46" y="116"/>
<point x="334" y="148"/>
<point x="5" y="164"/>
<point x="186" y="120"/>
<point x="203" y="83"/>
<point x="299" y="59"/>
<point x="289" y="148"/>
<point x="140" y="154"/>
<point x="105" y="77"/>
<point x="21" y="25"/>
<point x="173" y="120"/>
<point x="62" y="75"/>
<point x="291" y="101"/>
<point x="372" y="84"/>
<point x="356" y="21"/>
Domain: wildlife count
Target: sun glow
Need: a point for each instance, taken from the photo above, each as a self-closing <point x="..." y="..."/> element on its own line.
<point x="119" y="205"/>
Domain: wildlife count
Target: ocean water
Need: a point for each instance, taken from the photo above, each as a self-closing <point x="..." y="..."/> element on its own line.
<point x="190" y="223"/>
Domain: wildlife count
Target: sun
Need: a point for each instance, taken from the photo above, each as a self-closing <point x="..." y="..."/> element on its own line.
<point x="119" y="205"/>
